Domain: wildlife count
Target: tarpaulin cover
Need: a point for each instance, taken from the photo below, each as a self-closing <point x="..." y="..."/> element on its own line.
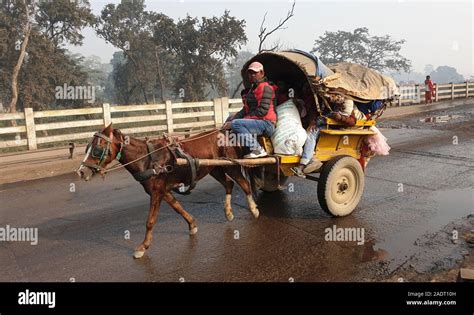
<point x="360" y="82"/>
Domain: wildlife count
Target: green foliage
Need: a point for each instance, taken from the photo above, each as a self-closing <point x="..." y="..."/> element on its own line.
<point x="46" y="64"/>
<point x="202" y="48"/>
<point x="164" y="58"/>
<point x="62" y="20"/>
<point x="130" y="28"/>
<point x="377" y="52"/>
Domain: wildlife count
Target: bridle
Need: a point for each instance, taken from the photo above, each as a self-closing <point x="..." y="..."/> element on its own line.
<point x="100" y="152"/>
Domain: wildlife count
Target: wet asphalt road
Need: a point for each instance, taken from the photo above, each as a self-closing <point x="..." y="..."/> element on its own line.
<point x="82" y="234"/>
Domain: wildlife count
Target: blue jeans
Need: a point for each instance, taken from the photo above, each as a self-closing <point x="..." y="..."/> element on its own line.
<point x="248" y="129"/>
<point x="311" y="140"/>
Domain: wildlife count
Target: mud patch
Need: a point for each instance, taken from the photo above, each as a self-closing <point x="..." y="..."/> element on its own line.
<point x="440" y="119"/>
<point x="440" y="257"/>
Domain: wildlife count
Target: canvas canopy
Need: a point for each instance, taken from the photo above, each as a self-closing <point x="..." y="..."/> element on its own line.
<point x="297" y="68"/>
<point x="360" y="82"/>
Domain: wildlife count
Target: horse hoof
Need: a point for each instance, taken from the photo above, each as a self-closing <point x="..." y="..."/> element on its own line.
<point x="138" y="254"/>
<point x="256" y="213"/>
<point x="229" y="217"/>
<point x="193" y="231"/>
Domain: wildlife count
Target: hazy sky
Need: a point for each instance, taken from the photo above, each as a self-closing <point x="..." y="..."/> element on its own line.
<point x="437" y="33"/>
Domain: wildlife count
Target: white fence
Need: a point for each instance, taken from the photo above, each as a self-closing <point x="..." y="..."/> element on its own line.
<point x="170" y="117"/>
<point x="37" y="128"/>
<point x="415" y="94"/>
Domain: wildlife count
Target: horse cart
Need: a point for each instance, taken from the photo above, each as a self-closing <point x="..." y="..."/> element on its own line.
<point x="165" y="165"/>
<point x="342" y="150"/>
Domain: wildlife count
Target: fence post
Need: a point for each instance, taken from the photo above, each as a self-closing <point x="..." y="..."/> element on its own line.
<point x="225" y="108"/>
<point x="30" y="128"/>
<point x="452" y="90"/>
<point x="106" y="114"/>
<point x="436" y="92"/>
<point x="418" y="94"/>
<point x="217" y="111"/>
<point x="467" y="89"/>
<point x="169" y="116"/>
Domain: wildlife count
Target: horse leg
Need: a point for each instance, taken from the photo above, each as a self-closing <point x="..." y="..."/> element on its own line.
<point x="236" y="174"/>
<point x="155" y="201"/>
<point x="219" y="174"/>
<point x="171" y="200"/>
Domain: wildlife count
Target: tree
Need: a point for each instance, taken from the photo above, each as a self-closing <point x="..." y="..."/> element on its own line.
<point x="233" y="68"/>
<point x="264" y="34"/>
<point x="202" y="48"/>
<point x="21" y="14"/>
<point x="445" y="74"/>
<point x="47" y="68"/>
<point x="129" y="27"/>
<point x="377" y="52"/>
<point x="184" y="57"/>
<point x="97" y="74"/>
<point x="34" y="62"/>
<point x="62" y="20"/>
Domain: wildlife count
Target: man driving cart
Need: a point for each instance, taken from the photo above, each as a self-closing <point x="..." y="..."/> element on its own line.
<point x="258" y="116"/>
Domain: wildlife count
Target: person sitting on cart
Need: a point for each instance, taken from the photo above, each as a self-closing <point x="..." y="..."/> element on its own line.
<point x="258" y="116"/>
<point x="307" y="106"/>
<point x="282" y="93"/>
<point x="343" y="109"/>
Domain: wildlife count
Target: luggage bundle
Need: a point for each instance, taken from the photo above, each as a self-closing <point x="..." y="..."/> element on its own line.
<point x="370" y="90"/>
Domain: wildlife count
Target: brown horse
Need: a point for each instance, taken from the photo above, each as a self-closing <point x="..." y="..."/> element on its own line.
<point x="110" y="144"/>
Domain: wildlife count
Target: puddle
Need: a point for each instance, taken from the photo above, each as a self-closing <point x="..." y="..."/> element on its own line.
<point x="440" y="119"/>
<point x="453" y="204"/>
<point x="372" y="254"/>
<point x="449" y="205"/>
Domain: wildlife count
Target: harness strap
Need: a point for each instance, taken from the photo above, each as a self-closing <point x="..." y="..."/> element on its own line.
<point x="150" y="147"/>
<point x="98" y="134"/>
<point x="94" y="166"/>
<point x="148" y="173"/>
<point x="145" y="175"/>
<point x="194" y="167"/>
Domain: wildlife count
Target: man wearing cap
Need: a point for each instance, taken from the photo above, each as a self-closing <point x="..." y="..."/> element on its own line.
<point x="258" y="115"/>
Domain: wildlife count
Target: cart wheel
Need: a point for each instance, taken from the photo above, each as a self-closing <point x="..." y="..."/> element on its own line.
<point x="340" y="186"/>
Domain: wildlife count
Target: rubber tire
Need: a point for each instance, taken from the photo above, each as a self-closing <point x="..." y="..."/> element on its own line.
<point x="343" y="167"/>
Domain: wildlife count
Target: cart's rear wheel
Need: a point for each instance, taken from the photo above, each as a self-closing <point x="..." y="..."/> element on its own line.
<point x="341" y="185"/>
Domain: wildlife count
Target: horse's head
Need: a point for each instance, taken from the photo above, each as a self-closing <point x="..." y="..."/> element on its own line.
<point x="104" y="147"/>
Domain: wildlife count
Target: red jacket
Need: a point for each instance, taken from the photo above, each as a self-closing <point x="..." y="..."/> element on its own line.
<point x="429" y="83"/>
<point x="259" y="102"/>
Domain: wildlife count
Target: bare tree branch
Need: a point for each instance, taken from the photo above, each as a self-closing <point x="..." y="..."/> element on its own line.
<point x="263" y="30"/>
<point x="21" y="57"/>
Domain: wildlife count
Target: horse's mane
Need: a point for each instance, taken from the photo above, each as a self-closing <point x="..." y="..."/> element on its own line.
<point x="118" y="132"/>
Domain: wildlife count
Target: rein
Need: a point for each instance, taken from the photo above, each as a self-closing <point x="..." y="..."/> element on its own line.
<point x="156" y="150"/>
